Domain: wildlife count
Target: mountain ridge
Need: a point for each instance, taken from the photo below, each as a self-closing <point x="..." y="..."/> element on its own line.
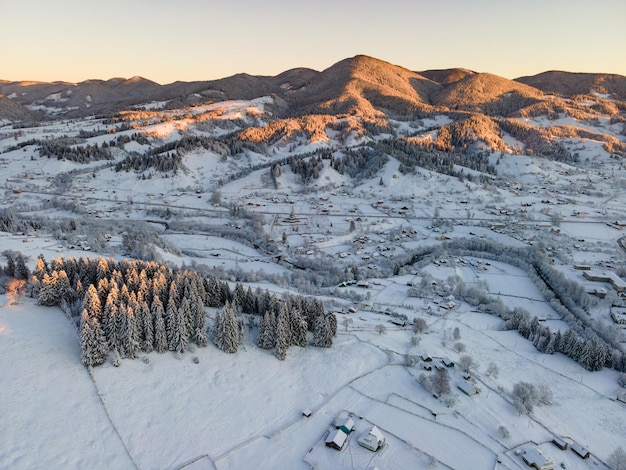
<point x="360" y="85"/>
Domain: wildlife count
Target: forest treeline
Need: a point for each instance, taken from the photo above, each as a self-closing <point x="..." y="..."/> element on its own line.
<point x="124" y="308"/>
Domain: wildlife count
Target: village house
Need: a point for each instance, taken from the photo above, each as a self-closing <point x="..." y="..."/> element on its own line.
<point x="336" y="439"/>
<point x="345" y="423"/>
<point x="580" y="450"/>
<point x="560" y="443"/>
<point x="467" y="388"/>
<point x="373" y="440"/>
<point x="447" y="362"/>
<point x="534" y="458"/>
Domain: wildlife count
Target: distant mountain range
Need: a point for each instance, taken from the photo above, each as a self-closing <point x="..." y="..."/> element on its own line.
<point x="360" y="85"/>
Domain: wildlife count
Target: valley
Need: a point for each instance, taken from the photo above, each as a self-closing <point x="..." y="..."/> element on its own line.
<point x="443" y="216"/>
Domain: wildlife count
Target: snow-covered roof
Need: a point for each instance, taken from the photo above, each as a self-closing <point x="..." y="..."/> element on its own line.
<point x="345" y="424"/>
<point x="580" y="450"/>
<point x="337" y="437"/>
<point x="534" y="458"/>
<point x="377" y="434"/>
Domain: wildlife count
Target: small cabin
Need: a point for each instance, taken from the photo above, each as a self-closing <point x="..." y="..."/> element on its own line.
<point x="580" y="450"/>
<point x="534" y="458"/>
<point x="336" y="439"/>
<point x="560" y="443"/>
<point x="373" y="440"/>
<point x="346" y="424"/>
<point x="447" y="362"/>
<point x="467" y="388"/>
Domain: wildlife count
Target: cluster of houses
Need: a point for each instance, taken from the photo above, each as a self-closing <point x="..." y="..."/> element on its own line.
<point x="439" y="363"/>
<point x="344" y="425"/>
<point x="534" y="458"/>
<point x="608" y="277"/>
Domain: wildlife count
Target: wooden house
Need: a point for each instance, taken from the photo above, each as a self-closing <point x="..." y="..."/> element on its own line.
<point x="534" y="458"/>
<point x="336" y="439"/>
<point x="580" y="450"/>
<point x="560" y="443"/>
<point x="373" y="440"/>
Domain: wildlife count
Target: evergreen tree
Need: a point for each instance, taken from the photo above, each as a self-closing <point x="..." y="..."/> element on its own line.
<point x="298" y="326"/>
<point x="146" y="326"/>
<point x="249" y="304"/>
<point x="50" y="292"/>
<point x="91" y="302"/>
<point x="176" y="337"/>
<point x="239" y="296"/>
<point x="199" y="323"/>
<point x="109" y="316"/>
<point x="134" y="333"/>
<point x="10" y="267"/>
<point x="283" y="333"/>
<point x="21" y="270"/>
<point x="267" y="331"/>
<point x="41" y="268"/>
<point x="201" y="337"/>
<point x="160" y="333"/>
<point x="323" y="331"/>
<point x="226" y="329"/>
<point x="93" y="344"/>
<point x="122" y="332"/>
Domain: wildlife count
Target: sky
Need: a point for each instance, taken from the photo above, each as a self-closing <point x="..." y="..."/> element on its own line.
<point x="166" y="41"/>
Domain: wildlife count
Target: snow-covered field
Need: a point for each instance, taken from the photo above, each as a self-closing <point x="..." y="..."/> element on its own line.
<point x="245" y="410"/>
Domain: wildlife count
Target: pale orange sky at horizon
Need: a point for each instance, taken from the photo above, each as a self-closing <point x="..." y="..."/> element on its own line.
<point x="72" y="40"/>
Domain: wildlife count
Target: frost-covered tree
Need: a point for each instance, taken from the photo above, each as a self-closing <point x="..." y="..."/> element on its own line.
<point x="226" y="329"/>
<point x="459" y="347"/>
<point x="492" y="370"/>
<point x="283" y="333"/>
<point x="91" y="302"/>
<point x="93" y="343"/>
<point x="133" y="345"/>
<point x="199" y="323"/>
<point x="525" y="397"/>
<point x="50" y="291"/>
<point x="297" y="326"/>
<point x="160" y="332"/>
<point x="419" y="325"/>
<point x="21" y="270"/>
<point x="146" y="326"/>
<point x="441" y="382"/>
<point x="324" y="330"/>
<point x="617" y="459"/>
<point x="267" y="331"/>
<point x="467" y="363"/>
